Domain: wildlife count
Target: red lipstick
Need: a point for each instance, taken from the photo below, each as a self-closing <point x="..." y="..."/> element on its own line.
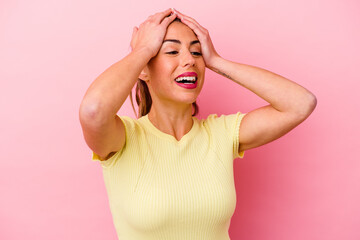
<point x="187" y="74"/>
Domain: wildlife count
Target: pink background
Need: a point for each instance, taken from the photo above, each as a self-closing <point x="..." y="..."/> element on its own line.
<point x="305" y="185"/>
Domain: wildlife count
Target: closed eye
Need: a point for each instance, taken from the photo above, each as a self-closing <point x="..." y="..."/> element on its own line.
<point x="173" y="52"/>
<point x="195" y="53"/>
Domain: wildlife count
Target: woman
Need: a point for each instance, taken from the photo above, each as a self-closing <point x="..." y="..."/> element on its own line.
<point x="168" y="174"/>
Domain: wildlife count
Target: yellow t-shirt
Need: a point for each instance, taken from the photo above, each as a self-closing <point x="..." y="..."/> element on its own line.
<point x="162" y="188"/>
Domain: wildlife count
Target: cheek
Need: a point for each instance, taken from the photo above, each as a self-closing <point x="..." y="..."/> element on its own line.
<point x="166" y="69"/>
<point x="162" y="63"/>
<point x="202" y="63"/>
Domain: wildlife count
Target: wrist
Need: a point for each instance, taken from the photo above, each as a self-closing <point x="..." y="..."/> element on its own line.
<point x="215" y="62"/>
<point x="143" y="52"/>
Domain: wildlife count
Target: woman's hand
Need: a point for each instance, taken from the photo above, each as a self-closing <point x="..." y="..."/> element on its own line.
<point x="207" y="48"/>
<point x="151" y="33"/>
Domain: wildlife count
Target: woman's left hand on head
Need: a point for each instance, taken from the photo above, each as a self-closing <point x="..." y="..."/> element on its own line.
<point x="207" y="48"/>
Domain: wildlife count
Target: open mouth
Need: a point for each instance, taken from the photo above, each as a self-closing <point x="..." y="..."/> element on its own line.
<point x="187" y="82"/>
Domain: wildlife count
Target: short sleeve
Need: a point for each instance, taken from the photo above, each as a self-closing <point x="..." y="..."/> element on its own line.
<point x="238" y="118"/>
<point x="226" y="131"/>
<point x="106" y="163"/>
<point x="128" y="123"/>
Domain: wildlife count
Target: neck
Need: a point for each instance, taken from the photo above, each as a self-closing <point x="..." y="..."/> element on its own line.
<point x="172" y="121"/>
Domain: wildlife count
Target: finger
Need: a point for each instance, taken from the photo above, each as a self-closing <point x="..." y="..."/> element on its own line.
<point x="133" y="37"/>
<point x="161" y="15"/>
<point x="189" y="19"/>
<point x="181" y="14"/>
<point x="199" y="31"/>
<point x="168" y="20"/>
<point x="195" y="29"/>
<point x="135" y="29"/>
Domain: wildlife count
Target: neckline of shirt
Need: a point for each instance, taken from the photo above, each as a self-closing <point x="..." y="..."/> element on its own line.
<point x="170" y="137"/>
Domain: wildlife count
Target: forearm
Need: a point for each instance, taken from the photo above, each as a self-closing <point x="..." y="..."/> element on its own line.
<point x="283" y="94"/>
<point x="109" y="90"/>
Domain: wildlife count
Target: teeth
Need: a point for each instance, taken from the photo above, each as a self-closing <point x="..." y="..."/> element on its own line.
<point x="192" y="79"/>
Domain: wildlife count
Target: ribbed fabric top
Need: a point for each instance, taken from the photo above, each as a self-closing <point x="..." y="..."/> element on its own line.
<point x="162" y="188"/>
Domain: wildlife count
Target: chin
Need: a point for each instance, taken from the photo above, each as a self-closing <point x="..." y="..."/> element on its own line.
<point x="188" y="97"/>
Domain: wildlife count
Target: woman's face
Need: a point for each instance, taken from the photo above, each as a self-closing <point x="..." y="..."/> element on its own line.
<point x="175" y="58"/>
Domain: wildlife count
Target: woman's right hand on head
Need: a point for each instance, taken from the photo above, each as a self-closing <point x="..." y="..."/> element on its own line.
<point x="150" y="34"/>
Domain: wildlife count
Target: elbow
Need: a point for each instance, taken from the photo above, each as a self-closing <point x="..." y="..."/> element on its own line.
<point x="90" y="113"/>
<point x="308" y="106"/>
<point x="312" y="102"/>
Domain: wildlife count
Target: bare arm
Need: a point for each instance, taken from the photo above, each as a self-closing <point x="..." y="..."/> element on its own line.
<point x="103" y="130"/>
<point x="290" y="103"/>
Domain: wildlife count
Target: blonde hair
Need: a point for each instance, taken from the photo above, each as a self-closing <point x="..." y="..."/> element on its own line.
<point x="143" y="97"/>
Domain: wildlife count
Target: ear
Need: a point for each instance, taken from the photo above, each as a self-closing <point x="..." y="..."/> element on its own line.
<point x="144" y="75"/>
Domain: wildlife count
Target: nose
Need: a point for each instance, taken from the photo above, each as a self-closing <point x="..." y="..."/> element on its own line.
<point x="188" y="59"/>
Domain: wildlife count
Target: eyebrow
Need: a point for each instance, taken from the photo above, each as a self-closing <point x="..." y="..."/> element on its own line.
<point x="179" y="42"/>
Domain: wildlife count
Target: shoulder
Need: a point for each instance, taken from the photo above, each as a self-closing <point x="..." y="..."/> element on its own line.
<point x="132" y="125"/>
<point x="227" y="121"/>
<point x="224" y="130"/>
<point x="134" y="134"/>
